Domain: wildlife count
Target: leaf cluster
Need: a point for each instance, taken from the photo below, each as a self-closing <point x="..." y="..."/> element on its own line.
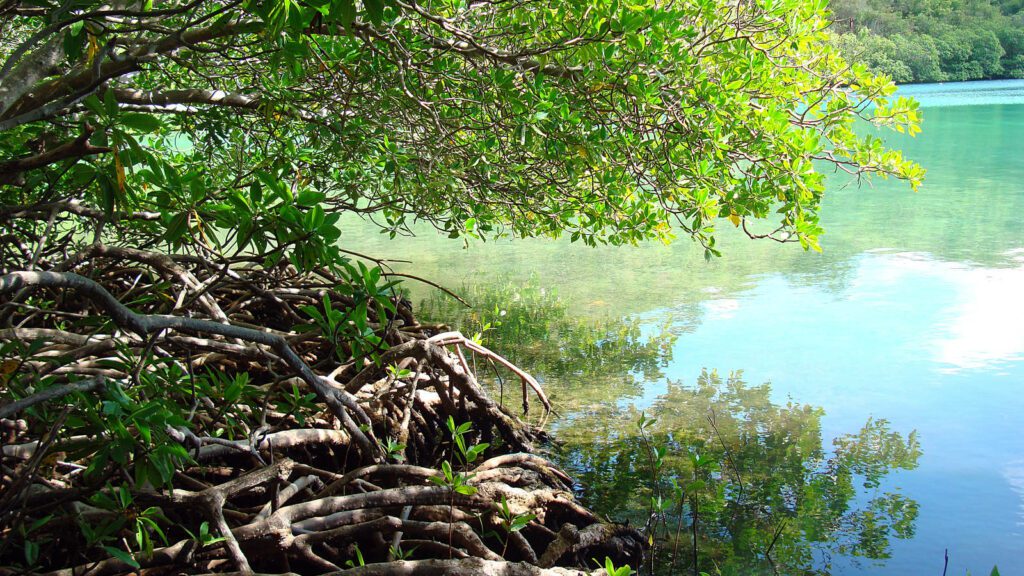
<point x="251" y="127"/>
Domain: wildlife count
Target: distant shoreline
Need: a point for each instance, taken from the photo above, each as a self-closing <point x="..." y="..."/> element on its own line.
<point x="952" y="82"/>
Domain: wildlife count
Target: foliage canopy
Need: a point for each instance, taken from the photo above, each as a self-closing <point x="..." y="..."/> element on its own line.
<point x="246" y="126"/>
<point x="174" y="153"/>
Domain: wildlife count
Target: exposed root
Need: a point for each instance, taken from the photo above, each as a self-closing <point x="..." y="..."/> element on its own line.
<point x="470" y="566"/>
<point x="273" y="481"/>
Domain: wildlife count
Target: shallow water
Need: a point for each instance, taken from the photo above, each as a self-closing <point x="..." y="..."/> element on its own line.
<point x="913" y="314"/>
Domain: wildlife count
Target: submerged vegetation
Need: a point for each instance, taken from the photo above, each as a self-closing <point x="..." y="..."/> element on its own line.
<point x="200" y="375"/>
<point x="587" y="358"/>
<point x="716" y="474"/>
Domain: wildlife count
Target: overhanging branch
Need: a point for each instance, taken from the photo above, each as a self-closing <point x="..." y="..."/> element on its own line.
<point x="53" y="90"/>
<point x="199" y="97"/>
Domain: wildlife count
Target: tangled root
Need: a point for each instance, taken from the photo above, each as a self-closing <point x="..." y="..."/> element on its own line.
<point x="368" y="481"/>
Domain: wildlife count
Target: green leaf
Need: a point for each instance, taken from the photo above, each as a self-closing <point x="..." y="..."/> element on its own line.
<point x="110" y="103"/>
<point x="521" y="522"/>
<point x="74" y="41"/>
<point x="310" y="198"/>
<point x="474" y="451"/>
<point x="94" y="104"/>
<point x="39" y="523"/>
<point x="140" y="122"/>
<point x="344" y="11"/>
<point x="374" y="10"/>
<point x="122" y="556"/>
<point x="234" y="391"/>
<point x="31" y="552"/>
<point x="124" y="496"/>
<point x="176" y="227"/>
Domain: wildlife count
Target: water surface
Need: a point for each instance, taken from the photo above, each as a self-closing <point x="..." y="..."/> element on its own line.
<point x="913" y="315"/>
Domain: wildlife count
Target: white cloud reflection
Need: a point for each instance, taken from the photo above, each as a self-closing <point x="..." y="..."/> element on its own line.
<point x="987" y="325"/>
<point x="982" y="327"/>
<point x="720" y="308"/>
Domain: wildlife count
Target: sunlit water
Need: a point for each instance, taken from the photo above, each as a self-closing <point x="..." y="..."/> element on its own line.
<point x="914" y="314"/>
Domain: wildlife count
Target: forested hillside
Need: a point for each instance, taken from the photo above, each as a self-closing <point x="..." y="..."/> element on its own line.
<point x="933" y="40"/>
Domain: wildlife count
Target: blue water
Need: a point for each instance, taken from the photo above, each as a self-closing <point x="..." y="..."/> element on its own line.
<point x="913" y="313"/>
<point x="927" y="344"/>
<point x="981" y="93"/>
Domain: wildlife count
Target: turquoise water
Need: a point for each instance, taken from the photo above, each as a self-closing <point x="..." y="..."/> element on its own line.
<point x="984" y="93"/>
<point x="914" y="314"/>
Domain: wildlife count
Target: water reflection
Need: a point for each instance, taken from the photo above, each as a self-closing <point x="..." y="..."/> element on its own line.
<point x="1014" y="474"/>
<point x="967" y="211"/>
<point x="767" y="496"/>
<point x="581" y="360"/>
<point x="913" y="313"/>
<point x="983" y="329"/>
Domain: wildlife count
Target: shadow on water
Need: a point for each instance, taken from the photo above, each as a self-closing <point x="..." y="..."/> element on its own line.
<point x="766" y="493"/>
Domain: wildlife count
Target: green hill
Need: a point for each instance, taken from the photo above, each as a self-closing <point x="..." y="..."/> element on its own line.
<point x="933" y="40"/>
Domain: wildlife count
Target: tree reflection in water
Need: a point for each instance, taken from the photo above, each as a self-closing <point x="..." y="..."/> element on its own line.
<point x="767" y="496"/>
<point x="581" y="360"/>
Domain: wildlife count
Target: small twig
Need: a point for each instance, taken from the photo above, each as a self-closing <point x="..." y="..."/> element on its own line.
<point x="89" y="385"/>
<point x="775" y="538"/>
<point x="429" y="283"/>
<point x="728" y="453"/>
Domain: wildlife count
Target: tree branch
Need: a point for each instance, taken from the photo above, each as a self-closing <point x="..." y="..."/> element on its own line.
<point x="88" y="385"/>
<point x="73" y="206"/>
<point x="119" y="65"/>
<point x="196" y="96"/>
<point x="340" y="402"/>
<point x="72" y="149"/>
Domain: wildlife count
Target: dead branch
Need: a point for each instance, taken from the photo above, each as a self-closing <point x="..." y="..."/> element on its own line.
<point x="144" y="325"/>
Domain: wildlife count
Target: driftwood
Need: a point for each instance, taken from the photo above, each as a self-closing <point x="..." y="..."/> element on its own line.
<point x="354" y="478"/>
